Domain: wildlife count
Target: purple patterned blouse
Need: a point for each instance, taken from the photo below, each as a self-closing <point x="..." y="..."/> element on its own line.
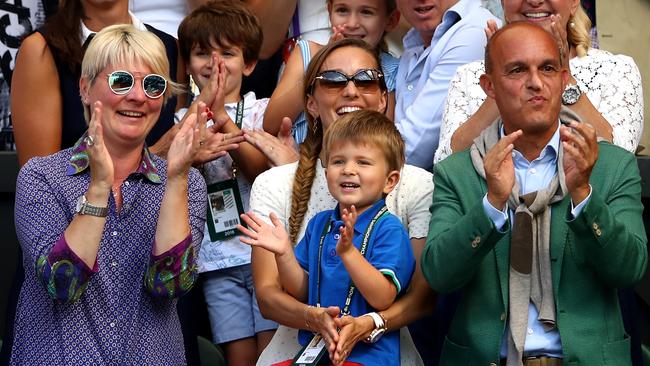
<point x="123" y="310"/>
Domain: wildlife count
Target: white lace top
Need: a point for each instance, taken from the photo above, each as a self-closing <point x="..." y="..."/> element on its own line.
<point x="612" y="84"/>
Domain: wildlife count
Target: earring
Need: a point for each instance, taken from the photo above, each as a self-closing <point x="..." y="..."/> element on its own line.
<point x="572" y="24"/>
<point x="315" y="128"/>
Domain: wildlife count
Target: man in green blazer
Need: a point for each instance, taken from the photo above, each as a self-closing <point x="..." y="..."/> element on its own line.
<point x="537" y="223"/>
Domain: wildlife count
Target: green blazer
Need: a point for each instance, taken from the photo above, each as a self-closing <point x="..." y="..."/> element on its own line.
<point x="602" y="249"/>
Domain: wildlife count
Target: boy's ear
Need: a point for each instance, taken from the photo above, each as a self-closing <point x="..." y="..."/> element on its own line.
<point x="391" y="181"/>
<point x="393" y="21"/>
<point x="248" y="69"/>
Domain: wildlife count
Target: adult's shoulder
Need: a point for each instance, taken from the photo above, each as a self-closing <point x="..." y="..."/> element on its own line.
<point x="459" y="161"/>
<point x="277" y="176"/>
<point x="602" y="61"/>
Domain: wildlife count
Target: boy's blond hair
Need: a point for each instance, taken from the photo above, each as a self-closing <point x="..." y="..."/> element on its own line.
<point x="367" y="127"/>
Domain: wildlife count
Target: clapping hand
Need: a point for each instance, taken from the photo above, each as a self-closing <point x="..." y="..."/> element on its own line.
<point x="185" y="144"/>
<point x="580" y="154"/>
<point x="273" y="238"/>
<point x="278" y="150"/>
<point x="344" y="244"/>
<point x="500" y="170"/>
<point x="101" y="163"/>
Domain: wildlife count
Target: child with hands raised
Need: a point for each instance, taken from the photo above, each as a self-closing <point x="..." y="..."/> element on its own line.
<point x="217" y="59"/>
<point x="357" y="258"/>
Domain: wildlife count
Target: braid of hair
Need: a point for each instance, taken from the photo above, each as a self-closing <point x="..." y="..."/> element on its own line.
<point x="304" y="178"/>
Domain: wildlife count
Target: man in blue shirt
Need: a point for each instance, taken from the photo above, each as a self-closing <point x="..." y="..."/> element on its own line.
<point x="445" y="35"/>
<point x="537" y="224"/>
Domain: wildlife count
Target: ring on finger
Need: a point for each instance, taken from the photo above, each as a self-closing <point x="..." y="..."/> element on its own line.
<point x="89" y="140"/>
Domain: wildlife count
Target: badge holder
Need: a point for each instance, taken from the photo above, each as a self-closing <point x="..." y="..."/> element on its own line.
<point x="224" y="209"/>
<point x="312" y="353"/>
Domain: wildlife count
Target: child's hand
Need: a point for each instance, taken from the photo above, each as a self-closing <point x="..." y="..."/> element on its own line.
<point x="337" y="33"/>
<point x="347" y="231"/>
<point x="272" y="238"/>
<point x="213" y="94"/>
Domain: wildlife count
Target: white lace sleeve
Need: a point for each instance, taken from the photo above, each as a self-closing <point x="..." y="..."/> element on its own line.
<point x="271" y="192"/>
<point x="464" y="98"/>
<point x="411" y="200"/>
<point x="613" y="85"/>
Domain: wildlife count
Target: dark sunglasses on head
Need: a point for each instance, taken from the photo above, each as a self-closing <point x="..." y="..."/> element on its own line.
<point x="366" y="80"/>
<point x="121" y="82"/>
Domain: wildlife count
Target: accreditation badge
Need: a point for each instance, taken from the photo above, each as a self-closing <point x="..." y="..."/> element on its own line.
<point x="224" y="207"/>
<point x="310" y="354"/>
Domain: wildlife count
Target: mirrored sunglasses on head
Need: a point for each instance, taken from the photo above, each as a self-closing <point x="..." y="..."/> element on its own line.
<point x="366" y="80"/>
<point x="121" y="82"/>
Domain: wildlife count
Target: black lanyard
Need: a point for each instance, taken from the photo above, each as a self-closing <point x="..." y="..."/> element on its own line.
<point x="240" y="113"/>
<point x="364" y="246"/>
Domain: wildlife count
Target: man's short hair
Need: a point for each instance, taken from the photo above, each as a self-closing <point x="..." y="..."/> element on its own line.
<point x="488" y="46"/>
<point x="221" y="21"/>
<point x="367" y="127"/>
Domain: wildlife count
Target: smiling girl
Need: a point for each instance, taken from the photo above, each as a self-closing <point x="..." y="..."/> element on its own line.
<point x="368" y="20"/>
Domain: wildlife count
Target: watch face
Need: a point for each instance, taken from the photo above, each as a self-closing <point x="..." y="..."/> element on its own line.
<point x="80" y="203"/>
<point x="376" y="334"/>
<point x="571" y="95"/>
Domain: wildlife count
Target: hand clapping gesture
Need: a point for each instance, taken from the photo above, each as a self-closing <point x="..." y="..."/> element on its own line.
<point x="344" y="244"/>
<point x="101" y="163"/>
<point x="272" y="238"/>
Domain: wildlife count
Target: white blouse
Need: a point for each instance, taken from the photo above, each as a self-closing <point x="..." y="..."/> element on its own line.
<point x="611" y="82"/>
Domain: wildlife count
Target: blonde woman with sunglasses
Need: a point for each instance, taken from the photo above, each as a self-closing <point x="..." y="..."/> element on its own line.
<point x="343" y="77"/>
<point x="109" y="231"/>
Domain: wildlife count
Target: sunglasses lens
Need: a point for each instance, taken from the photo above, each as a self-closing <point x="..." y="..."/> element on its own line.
<point x="366" y="80"/>
<point x="120" y="82"/>
<point x="154" y="85"/>
<point x="332" y="80"/>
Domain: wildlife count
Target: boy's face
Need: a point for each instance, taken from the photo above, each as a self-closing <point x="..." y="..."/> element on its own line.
<point x="200" y="67"/>
<point x="357" y="174"/>
<point x="363" y="19"/>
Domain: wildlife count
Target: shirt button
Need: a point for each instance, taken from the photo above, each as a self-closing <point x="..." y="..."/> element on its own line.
<point x="337" y="236"/>
<point x="530" y="331"/>
<point x="114" y="263"/>
<point x="533" y="171"/>
<point x="126" y="183"/>
<point x="114" y="233"/>
<point x="410" y="87"/>
<point x="112" y="324"/>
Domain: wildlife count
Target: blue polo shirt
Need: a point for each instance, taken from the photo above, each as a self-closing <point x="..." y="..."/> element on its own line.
<point x="389" y="250"/>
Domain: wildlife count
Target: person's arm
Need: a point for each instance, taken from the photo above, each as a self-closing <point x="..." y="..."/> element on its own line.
<point x="275" y="17"/>
<point x="37" y="126"/>
<point x="64" y="266"/>
<point x="172" y="269"/>
<point x="270" y="193"/>
<point x="275" y="239"/>
<point x="376" y="289"/>
<point x="390" y="108"/>
<point x="609" y="230"/>
<point x="287" y="97"/>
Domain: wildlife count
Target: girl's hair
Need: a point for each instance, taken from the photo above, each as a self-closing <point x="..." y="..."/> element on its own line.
<point x="391" y="6"/>
<point x="578" y="35"/>
<point x="63" y="34"/>
<point x="310" y="149"/>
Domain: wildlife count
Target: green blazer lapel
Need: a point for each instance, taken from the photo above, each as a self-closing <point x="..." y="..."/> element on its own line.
<point x="559" y="237"/>
<point x="502" y="255"/>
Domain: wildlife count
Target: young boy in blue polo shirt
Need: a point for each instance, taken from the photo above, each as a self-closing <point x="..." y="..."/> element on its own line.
<point x="357" y="254"/>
